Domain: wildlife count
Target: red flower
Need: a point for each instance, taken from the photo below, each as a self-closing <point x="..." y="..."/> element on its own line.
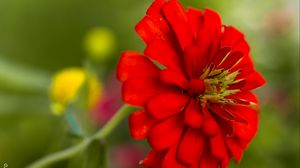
<point x="193" y="84"/>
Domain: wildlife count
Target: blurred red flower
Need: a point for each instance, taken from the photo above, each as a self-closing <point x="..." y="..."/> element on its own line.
<point x="126" y="155"/>
<point x="193" y="84"/>
<point x="109" y="103"/>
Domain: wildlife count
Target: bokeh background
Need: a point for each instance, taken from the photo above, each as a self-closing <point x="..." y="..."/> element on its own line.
<point x="39" y="38"/>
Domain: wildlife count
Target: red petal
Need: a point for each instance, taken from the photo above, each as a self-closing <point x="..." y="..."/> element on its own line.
<point x="221" y="54"/>
<point x="231" y="60"/>
<point x="155" y="9"/>
<point x="195" y="165"/>
<point x="225" y="162"/>
<point x="170" y="160"/>
<point x="227" y="113"/>
<point x="225" y="126"/>
<point x="194" y="58"/>
<point x="212" y="26"/>
<point x="166" y="133"/>
<point x="137" y="91"/>
<point x="214" y="47"/>
<point x="234" y="148"/>
<point x="254" y="80"/>
<point x="195" y="18"/>
<point x="218" y="148"/>
<point x="245" y="67"/>
<point x="210" y="126"/>
<point x="191" y="147"/>
<point x="230" y="36"/>
<point x="136" y="65"/>
<point x="140" y="123"/>
<point x="245" y="95"/>
<point x="248" y="131"/>
<point x="169" y="76"/>
<point x="176" y="16"/>
<point x="208" y="161"/>
<point x="197" y="86"/>
<point x="192" y="115"/>
<point x="238" y="85"/>
<point x="150" y="29"/>
<point x="212" y="22"/>
<point x="235" y="115"/>
<point x="216" y="108"/>
<point x="241" y="46"/>
<point x="245" y="133"/>
<point x="205" y="44"/>
<point x="235" y="39"/>
<point x="166" y="104"/>
<point x="153" y="159"/>
<point x="163" y="53"/>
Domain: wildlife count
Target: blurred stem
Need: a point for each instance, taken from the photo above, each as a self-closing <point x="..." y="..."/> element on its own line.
<point x="21" y="78"/>
<point x="100" y="135"/>
<point x="61" y="155"/>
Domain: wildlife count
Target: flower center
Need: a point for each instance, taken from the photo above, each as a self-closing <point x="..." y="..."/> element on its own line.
<point x="217" y="86"/>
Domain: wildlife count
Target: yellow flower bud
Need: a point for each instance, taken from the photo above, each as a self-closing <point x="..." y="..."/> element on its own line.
<point x="66" y="85"/>
<point x="100" y="43"/>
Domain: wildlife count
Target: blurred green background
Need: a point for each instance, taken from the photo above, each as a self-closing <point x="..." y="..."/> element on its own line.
<point x="38" y="38"/>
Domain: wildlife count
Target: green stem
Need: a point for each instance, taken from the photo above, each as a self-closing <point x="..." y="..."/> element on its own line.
<point x="112" y="123"/>
<point x="61" y="155"/>
<point x="100" y="135"/>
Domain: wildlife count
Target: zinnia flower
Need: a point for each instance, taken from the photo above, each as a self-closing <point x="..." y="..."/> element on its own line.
<point x="193" y="86"/>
